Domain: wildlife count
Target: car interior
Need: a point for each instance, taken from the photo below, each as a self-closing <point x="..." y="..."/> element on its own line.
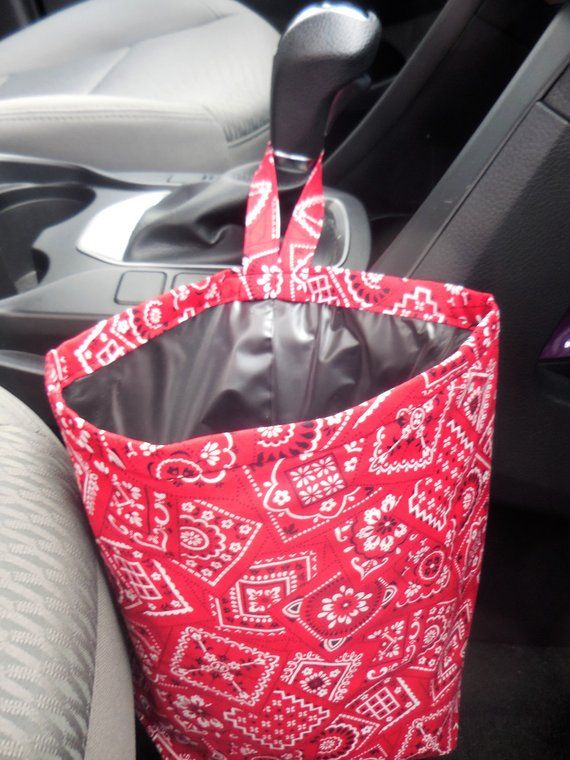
<point x="129" y="133"/>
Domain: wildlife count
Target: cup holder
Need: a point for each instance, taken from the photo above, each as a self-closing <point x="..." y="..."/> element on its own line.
<point x="25" y="211"/>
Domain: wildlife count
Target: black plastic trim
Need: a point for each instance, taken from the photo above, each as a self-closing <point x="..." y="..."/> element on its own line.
<point x="451" y="21"/>
<point x="540" y="70"/>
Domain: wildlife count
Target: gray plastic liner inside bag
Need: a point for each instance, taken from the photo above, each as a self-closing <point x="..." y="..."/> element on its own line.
<point x="252" y="364"/>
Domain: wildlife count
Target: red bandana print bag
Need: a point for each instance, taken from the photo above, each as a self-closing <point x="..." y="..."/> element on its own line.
<point x="294" y="536"/>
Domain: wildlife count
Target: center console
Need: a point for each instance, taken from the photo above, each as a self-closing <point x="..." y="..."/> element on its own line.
<point x="78" y="244"/>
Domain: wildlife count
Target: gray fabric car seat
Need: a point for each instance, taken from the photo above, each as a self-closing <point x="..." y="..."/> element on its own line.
<point x="167" y="85"/>
<point x="65" y="686"/>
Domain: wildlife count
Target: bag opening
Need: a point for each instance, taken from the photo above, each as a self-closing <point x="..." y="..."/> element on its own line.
<point x="252" y="364"/>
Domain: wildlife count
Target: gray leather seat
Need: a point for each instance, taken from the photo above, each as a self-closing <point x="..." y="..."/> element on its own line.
<point x="65" y="686"/>
<point x="173" y="85"/>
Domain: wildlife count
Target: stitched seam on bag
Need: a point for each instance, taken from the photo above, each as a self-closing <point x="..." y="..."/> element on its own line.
<point x="453" y="321"/>
<point x="152" y="480"/>
<point x="233" y="275"/>
<point x="468" y="355"/>
<point x="172" y="324"/>
<point x="453" y="375"/>
<point x="231" y="298"/>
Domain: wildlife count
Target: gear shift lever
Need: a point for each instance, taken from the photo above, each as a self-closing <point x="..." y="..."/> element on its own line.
<point x="323" y="50"/>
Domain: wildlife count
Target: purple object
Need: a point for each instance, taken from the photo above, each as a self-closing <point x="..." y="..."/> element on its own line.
<point x="558" y="345"/>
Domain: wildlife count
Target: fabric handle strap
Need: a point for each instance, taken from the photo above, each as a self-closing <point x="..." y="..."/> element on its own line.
<point x="263" y="247"/>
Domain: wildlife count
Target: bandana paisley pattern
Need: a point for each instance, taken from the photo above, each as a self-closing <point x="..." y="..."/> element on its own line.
<point x="302" y="590"/>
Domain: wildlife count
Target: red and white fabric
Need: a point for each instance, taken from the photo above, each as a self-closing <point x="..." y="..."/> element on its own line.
<point x="303" y="590"/>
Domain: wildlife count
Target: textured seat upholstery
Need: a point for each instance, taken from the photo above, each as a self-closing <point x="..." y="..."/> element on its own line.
<point x="65" y="687"/>
<point x="174" y="85"/>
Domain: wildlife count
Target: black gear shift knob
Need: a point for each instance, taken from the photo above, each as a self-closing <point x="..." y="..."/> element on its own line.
<point x="326" y="47"/>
